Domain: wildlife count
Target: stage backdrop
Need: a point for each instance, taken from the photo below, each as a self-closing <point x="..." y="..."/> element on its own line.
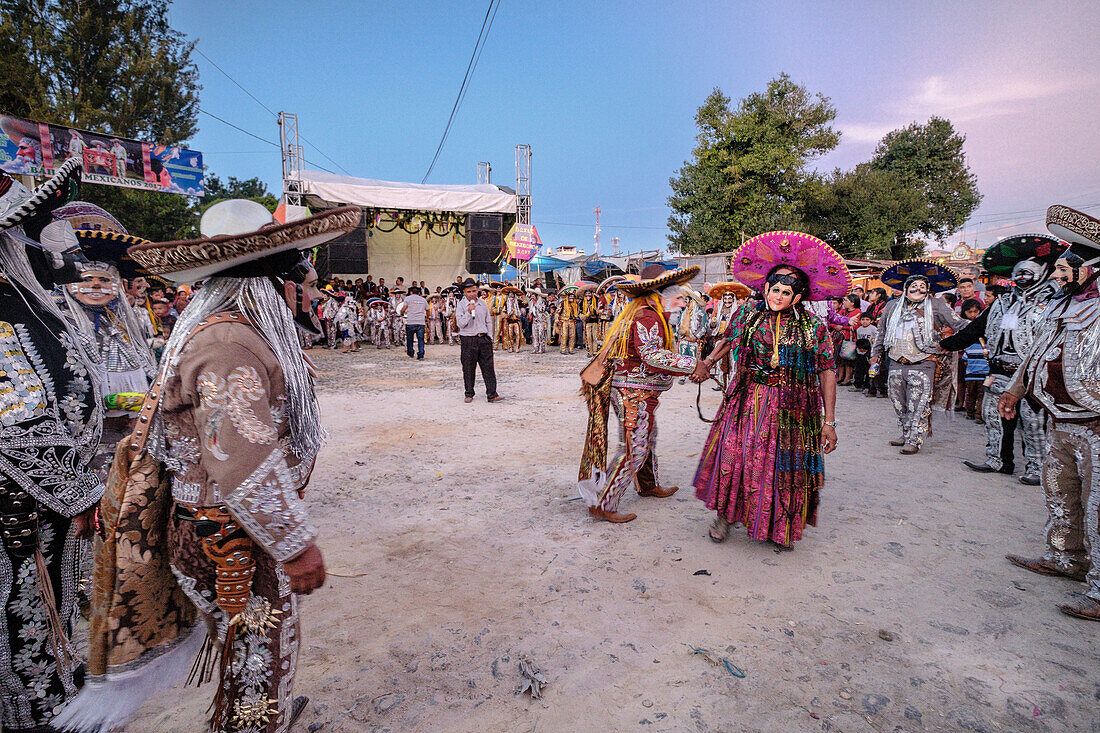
<point x="30" y="148"/>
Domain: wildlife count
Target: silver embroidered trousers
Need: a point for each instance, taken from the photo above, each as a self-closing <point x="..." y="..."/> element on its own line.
<point x="538" y="335"/>
<point x="1071" y="483"/>
<point x="1030" y="426"/>
<point x="910" y="389"/>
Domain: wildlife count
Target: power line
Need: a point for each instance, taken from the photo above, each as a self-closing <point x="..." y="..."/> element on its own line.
<point x="261" y="139"/>
<point x="474" y="56"/>
<point x="270" y="111"/>
<point x="605" y="225"/>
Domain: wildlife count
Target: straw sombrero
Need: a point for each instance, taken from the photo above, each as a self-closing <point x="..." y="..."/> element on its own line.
<point x="656" y="277"/>
<point x="1006" y="253"/>
<point x="511" y="289"/>
<point x="940" y="277"/>
<point x="825" y="268"/>
<point x="238" y="232"/>
<point x="1080" y="230"/>
<point x="738" y="290"/>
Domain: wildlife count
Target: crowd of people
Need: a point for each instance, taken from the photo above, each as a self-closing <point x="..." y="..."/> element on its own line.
<point x="157" y="405"/>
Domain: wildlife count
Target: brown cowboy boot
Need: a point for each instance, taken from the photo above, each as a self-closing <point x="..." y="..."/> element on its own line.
<point x="1086" y="608"/>
<point x="659" y="492"/>
<point x="613" y="517"/>
<point x="1042" y="566"/>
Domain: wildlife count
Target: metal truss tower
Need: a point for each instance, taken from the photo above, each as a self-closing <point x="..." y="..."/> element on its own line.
<point x="523" y="184"/>
<point x="292" y="158"/>
<point x="597" y="211"/>
<point x="484" y="172"/>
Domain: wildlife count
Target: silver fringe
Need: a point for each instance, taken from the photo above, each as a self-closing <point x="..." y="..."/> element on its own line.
<point x="129" y="320"/>
<point x="256" y="298"/>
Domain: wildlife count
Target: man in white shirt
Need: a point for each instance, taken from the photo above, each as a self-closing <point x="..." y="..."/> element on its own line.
<point x="475" y="328"/>
<point x="415" y="310"/>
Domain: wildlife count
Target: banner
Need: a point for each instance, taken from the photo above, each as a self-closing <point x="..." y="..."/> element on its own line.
<point x="522" y="242"/>
<point x="30" y="148"/>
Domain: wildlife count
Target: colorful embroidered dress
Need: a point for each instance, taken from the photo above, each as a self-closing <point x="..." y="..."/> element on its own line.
<point x="762" y="463"/>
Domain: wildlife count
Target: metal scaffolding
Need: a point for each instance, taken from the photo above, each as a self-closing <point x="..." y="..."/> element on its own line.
<point x="292" y="158"/>
<point x="523" y="184"/>
<point x="484" y="172"/>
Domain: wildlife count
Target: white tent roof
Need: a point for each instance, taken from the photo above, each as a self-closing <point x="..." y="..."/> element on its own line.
<point x="367" y="192"/>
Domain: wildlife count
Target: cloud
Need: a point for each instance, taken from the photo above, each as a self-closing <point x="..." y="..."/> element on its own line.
<point x="864" y="133"/>
<point x="969" y="97"/>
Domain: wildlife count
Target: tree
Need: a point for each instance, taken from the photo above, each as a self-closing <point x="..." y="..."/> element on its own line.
<point x="111" y="66"/>
<point x="916" y="184"/>
<point x="252" y="188"/>
<point x="749" y="167"/>
<point x="160" y="217"/>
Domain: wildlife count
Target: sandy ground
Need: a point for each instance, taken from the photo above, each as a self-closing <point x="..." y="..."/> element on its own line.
<point x="469" y="552"/>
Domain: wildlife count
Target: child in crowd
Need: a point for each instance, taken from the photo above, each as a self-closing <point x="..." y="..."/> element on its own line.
<point x="865" y="336"/>
<point x="974" y="363"/>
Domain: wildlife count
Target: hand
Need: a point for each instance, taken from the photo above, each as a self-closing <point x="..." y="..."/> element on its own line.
<point x="701" y="373"/>
<point x="828" y="439"/>
<point x="1007" y="406"/>
<point x="471" y="308"/>
<point x="874" y="360"/>
<point x="84" y="525"/>
<point x="306" y="571"/>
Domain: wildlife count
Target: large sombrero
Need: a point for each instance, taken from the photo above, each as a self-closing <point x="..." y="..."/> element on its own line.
<point x="1080" y="230"/>
<point x="511" y="289"/>
<point x="825" y="268"/>
<point x="377" y="301"/>
<point x="656" y="277"/>
<point x="102" y="237"/>
<point x="238" y="232"/>
<point x="940" y="277"/>
<point x="32" y="209"/>
<point x="610" y="283"/>
<point x="737" y="289"/>
<point x="1006" y="253"/>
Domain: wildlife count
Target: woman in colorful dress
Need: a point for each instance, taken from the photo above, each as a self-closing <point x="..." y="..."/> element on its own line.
<point x="763" y="462"/>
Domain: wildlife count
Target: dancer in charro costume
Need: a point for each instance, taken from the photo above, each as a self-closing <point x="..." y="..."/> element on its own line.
<point x="727" y="294"/>
<point x="909" y="336"/>
<point x="540" y="320"/>
<point x="1059" y="375"/>
<point x="763" y="462"/>
<point x="99" y="307"/>
<point x="1009" y="327"/>
<point x="636" y="364"/>
<point x="51" y="416"/>
<point x="234" y="420"/>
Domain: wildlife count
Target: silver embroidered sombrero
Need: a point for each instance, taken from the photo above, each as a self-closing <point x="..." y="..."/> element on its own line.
<point x="1080" y="230"/>
<point x="238" y="232"/>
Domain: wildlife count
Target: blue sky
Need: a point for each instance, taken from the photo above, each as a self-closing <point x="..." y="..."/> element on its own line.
<point x="605" y="93"/>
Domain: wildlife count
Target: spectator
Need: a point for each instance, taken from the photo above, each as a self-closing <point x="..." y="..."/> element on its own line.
<point x="974" y="366"/>
<point x="865" y="336"/>
<point x="966" y="291"/>
<point x="415" y="310"/>
<point x="846" y="351"/>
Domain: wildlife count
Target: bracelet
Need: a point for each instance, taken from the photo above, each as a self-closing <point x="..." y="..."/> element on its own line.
<point x="831" y="424"/>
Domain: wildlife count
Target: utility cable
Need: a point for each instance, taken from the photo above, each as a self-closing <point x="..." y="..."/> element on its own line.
<point x="474" y="56"/>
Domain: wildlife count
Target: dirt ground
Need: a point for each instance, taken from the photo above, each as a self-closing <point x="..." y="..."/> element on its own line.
<point x="458" y="547"/>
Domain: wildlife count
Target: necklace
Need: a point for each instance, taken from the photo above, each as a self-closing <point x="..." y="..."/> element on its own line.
<point x="775" y="340"/>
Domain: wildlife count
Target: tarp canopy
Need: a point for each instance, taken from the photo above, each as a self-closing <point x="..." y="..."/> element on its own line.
<point x="328" y="188"/>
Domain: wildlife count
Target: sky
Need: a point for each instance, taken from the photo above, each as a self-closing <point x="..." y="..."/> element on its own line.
<point x="605" y="94"/>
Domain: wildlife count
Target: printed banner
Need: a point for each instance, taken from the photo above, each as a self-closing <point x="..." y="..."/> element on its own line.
<point x="36" y="148"/>
<point x="522" y="242"/>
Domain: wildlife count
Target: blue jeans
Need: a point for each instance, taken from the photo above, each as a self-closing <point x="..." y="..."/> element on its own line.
<point x="417" y="331"/>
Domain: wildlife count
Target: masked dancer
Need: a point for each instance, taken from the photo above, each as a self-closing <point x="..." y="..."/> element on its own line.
<point x="51" y="413"/>
<point x="1009" y="327"/>
<point x="1059" y="376"/>
<point x="909" y="336"/>
<point x="234" y="420"/>
<point x="727" y="294"/>
<point x="540" y="320"/>
<point x="636" y="364"/>
<point x="763" y="462"/>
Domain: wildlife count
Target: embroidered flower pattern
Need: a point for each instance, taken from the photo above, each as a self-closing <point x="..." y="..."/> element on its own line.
<point x="232" y="397"/>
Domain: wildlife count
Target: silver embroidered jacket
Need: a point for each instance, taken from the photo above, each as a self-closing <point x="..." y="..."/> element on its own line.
<point x="1027" y="310"/>
<point x="227" y="441"/>
<point x="1062" y="369"/>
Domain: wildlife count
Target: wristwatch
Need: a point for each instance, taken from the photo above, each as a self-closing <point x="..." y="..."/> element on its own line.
<point x="831" y="424"/>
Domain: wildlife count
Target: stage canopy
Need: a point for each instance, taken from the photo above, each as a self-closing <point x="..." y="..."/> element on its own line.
<point x="327" y="189"/>
<point x="410" y="230"/>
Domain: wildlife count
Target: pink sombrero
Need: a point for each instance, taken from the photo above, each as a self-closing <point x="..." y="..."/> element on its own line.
<point x="829" y="276"/>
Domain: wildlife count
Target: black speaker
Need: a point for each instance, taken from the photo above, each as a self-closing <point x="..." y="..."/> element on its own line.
<point x="484" y="243"/>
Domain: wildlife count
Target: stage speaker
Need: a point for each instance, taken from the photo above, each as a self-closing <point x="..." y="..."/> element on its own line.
<point x="484" y="242"/>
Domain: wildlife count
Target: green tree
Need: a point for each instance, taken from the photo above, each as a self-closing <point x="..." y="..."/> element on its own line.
<point x="252" y="188"/>
<point x="159" y="217"/>
<point x="110" y="66"/>
<point x="748" y="171"/>
<point x="917" y="184"/>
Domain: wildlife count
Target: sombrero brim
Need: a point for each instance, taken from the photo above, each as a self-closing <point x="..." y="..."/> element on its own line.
<point x="940" y="278"/>
<point x="610" y="283"/>
<point x="45" y="198"/>
<point x="828" y="275"/>
<point x="1080" y="230"/>
<point x="376" y="301"/>
<point x="739" y="290"/>
<point x="1005" y="254"/>
<point x="672" y="277"/>
<point x="196" y="259"/>
<point x="111" y="247"/>
<point x="511" y="289"/>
